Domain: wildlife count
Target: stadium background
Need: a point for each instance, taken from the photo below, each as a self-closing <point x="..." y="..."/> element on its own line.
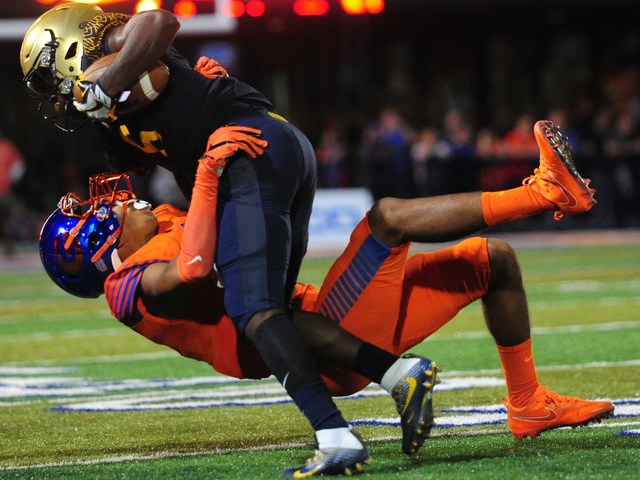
<point x="493" y="62"/>
<point x="457" y="71"/>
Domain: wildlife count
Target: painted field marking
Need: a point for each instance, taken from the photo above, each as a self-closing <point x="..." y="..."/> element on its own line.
<point x="279" y="446"/>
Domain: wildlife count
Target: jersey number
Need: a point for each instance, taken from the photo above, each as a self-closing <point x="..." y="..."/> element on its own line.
<point x="148" y="141"/>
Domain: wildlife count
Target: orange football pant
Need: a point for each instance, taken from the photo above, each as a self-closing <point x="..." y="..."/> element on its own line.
<point x="394" y="301"/>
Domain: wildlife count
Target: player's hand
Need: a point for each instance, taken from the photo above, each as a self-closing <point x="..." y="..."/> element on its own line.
<point x="96" y="103"/>
<point x="226" y="141"/>
<point x="210" y="68"/>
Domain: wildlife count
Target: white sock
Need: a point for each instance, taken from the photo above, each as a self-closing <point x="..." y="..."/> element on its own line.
<point x="396" y="372"/>
<point x="337" y="438"/>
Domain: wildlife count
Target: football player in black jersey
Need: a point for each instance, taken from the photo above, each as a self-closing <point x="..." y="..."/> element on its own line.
<point x="263" y="208"/>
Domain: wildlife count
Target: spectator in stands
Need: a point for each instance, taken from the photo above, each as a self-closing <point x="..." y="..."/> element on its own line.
<point x="429" y="158"/>
<point x="518" y="148"/>
<point x="12" y="168"/>
<point x="385" y="151"/>
<point x="462" y="170"/>
<point x="622" y="144"/>
<point x="331" y="154"/>
<point x="490" y="155"/>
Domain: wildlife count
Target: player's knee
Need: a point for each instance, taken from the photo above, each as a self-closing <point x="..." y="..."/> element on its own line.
<point x="503" y="261"/>
<point x="385" y="223"/>
<point x="258" y="319"/>
<point x="285" y="351"/>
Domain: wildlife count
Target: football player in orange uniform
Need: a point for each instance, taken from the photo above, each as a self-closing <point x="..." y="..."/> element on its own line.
<point x="263" y="208"/>
<point x="373" y="291"/>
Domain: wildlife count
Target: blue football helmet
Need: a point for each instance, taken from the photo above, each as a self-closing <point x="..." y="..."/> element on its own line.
<point x="78" y="241"/>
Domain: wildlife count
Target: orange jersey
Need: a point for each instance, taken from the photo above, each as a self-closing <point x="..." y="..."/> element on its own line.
<point x="375" y="292"/>
<point x="207" y="333"/>
<point x="394" y="301"/>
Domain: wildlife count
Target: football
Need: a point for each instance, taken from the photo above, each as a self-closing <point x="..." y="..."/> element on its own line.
<point x="148" y="87"/>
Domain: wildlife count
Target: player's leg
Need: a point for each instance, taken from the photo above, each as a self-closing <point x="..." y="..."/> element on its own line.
<point x="555" y="186"/>
<point x="257" y="238"/>
<point x="437" y="285"/>
<point x="361" y="296"/>
<point x="449" y="279"/>
<point x="531" y="408"/>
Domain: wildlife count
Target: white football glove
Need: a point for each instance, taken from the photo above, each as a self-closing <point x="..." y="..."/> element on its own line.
<point x="95" y="102"/>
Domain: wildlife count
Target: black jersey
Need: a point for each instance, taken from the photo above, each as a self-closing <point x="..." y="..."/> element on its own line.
<point x="173" y="130"/>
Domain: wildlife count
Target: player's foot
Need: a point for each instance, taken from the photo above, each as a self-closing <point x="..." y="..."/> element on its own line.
<point x="414" y="403"/>
<point x="557" y="178"/>
<point x="547" y="410"/>
<point x="333" y="461"/>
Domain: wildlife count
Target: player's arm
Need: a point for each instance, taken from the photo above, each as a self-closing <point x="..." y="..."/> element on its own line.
<point x="162" y="290"/>
<point x="140" y="43"/>
<point x="164" y="285"/>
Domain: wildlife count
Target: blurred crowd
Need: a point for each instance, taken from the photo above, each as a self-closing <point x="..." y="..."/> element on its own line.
<point x="392" y="157"/>
<point x="384" y="115"/>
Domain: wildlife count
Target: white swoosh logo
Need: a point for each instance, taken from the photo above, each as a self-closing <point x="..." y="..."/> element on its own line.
<point x="195" y="259"/>
<point x="571" y="200"/>
<point x="550" y="416"/>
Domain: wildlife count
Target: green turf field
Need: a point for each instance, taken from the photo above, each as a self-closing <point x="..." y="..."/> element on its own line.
<point x="83" y="397"/>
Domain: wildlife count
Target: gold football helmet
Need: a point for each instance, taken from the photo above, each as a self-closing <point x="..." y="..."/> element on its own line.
<point x="51" y="59"/>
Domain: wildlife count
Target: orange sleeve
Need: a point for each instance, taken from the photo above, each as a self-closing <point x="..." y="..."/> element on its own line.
<point x="198" y="249"/>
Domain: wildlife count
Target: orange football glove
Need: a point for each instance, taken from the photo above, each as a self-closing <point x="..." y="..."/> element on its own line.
<point x="210" y="68"/>
<point x="226" y="141"/>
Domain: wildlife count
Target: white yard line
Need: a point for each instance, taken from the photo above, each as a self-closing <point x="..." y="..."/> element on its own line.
<point x="280" y="446"/>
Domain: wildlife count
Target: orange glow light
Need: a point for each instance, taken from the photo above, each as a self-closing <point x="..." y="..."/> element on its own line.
<point x="144" y="5"/>
<point x="360" y="7"/>
<point x="374" y="6"/>
<point x="233" y="8"/>
<point x="255" y="8"/>
<point x="311" y="7"/>
<point x="94" y="2"/>
<point x="185" y="8"/>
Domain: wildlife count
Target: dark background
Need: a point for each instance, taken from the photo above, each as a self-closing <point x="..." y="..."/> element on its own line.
<point x="491" y="60"/>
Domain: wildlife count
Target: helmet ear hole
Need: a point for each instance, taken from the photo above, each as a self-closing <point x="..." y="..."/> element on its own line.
<point x="93" y="240"/>
<point x="72" y="51"/>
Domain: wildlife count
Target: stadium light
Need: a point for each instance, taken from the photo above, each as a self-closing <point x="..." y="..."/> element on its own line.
<point x="255" y="8"/>
<point x="360" y="7"/>
<point x="233" y="8"/>
<point x="185" y="8"/>
<point x="308" y="8"/>
<point x="144" y="5"/>
<point x="94" y="2"/>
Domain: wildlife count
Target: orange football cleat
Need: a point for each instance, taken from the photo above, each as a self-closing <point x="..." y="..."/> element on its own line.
<point x="547" y="410"/>
<point x="557" y="178"/>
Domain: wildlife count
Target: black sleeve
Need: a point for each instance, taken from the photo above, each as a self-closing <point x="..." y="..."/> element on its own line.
<point x="120" y="158"/>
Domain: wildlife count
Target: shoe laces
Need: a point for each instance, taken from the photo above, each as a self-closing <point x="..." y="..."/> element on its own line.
<point x="551" y="398"/>
<point x="540" y="177"/>
<point x="557" y="400"/>
<point x="543" y="184"/>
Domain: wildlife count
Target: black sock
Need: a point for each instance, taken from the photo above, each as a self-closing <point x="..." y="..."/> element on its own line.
<point x="286" y="353"/>
<point x="372" y="362"/>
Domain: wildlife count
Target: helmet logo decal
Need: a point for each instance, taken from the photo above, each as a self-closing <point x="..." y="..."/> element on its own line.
<point x="102" y="212"/>
<point x="68" y="260"/>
